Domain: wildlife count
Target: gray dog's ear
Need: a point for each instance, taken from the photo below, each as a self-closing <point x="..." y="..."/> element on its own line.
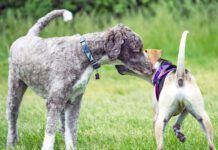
<point x="113" y="43"/>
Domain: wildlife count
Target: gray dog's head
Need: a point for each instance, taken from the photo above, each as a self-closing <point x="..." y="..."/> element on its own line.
<point x="125" y="45"/>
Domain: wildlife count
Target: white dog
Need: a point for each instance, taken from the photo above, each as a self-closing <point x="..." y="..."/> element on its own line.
<point x="176" y="92"/>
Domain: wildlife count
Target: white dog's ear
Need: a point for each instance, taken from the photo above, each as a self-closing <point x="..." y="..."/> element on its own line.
<point x="154" y="54"/>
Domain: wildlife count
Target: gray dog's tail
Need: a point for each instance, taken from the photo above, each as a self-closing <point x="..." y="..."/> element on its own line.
<point x="42" y="22"/>
<point x="180" y="71"/>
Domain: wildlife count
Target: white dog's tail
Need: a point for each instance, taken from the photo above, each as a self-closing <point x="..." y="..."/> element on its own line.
<point x="180" y="71"/>
<point x="42" y="22"/>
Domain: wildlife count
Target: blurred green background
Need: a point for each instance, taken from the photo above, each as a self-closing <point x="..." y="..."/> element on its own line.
<point x="119" y="115"/>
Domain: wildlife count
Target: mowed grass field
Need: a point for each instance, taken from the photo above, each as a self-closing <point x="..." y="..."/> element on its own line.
<point x="116" y="111"/>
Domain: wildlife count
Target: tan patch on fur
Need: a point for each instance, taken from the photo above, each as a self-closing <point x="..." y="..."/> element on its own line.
<point x="154" y="54"/>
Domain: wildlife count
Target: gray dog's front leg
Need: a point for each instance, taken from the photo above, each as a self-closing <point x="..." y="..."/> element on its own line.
<point x="62" y="122"/>
<point x="71" y="116"/>
<point x="55" y="105"/>
<point x="51" y="123"/>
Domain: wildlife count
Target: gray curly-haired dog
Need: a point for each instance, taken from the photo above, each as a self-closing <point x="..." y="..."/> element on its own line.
<point x="58" y="70"/>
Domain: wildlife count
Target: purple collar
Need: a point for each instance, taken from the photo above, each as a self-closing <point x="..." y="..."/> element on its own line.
<point x="160" y="74"/>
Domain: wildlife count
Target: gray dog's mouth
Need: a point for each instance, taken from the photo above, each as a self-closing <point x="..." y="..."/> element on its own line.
<point x="123" y="70"/>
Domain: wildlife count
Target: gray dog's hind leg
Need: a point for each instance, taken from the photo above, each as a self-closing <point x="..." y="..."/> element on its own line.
<point x="177" y="126"/>
<point x="71" y="117"/>
<point x="16" y="90"/>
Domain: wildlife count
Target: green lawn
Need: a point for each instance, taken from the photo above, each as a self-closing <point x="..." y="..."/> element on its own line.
<point x="116" y="114"/>
<point x="117" y="110"/>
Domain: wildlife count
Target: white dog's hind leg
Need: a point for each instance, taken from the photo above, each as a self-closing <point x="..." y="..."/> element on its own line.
<point x="208" y="129"/>
<point x="195" y="106"/>
<point x="166" y="107"/>
<point x="160" y="125"/>
<point x="204" y="120"/>
<point x="177" y="125"/>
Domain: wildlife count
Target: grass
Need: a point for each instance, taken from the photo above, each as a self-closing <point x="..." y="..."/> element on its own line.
<point x="118" y="116"/>
<point x="117" y="110"/>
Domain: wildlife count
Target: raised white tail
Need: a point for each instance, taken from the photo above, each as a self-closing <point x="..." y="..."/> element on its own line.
<point x="180" y="71"/>
<point x="42" y="22"/>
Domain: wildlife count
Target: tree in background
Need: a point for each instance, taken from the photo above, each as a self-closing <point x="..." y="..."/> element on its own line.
<point x="97" y="7"/>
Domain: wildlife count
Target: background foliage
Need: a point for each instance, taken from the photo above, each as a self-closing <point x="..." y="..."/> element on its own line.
<point x="148" y="18"/>
<point x="119" y="115"/>
<point x="98" y="7"/>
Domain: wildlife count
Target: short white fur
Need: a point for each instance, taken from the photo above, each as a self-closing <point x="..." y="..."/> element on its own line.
<point x="48" y="143"/>
<point x="175" y="100"/>
<point x="80" y="85"/>
<point x="67" y="15"/>
<point x="67" y="134"/>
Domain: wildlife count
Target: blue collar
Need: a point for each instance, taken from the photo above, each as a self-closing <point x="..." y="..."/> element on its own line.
<point x="88" y="53"/>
